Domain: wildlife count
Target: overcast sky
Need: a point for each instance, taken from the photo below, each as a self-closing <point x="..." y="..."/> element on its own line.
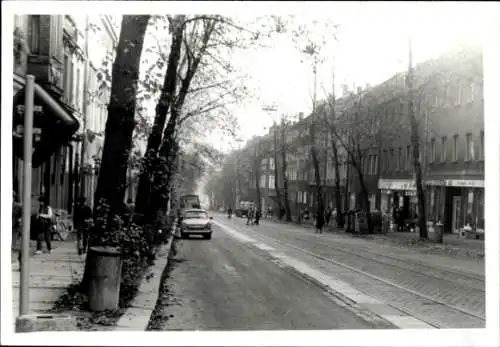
<point x="371" y="45"/>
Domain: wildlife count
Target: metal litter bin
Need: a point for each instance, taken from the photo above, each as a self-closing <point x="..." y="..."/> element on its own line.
<point x="105" y="275"/>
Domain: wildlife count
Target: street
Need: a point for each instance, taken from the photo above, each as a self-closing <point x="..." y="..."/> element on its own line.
<point x="225" y="284"/>
<point x="280" y="276"/>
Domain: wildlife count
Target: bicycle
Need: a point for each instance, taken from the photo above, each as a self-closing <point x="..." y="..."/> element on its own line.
<point x="61" y="227"/>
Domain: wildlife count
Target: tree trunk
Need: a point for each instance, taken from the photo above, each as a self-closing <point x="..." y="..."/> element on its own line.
<point x="276" y="181"/>
<point x="415" y="139"/>
<point x="169" y="147"/>
<point x="365" y="199"/>
<point x="154" y="140"/>
<point x="319" y="191"/>
<point x="338" y="196"/>
<point x="288" y="211"/>
<point x="120" y="124"/>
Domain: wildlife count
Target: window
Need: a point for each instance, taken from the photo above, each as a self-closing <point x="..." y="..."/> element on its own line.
<point x="34" y="35"/>
<point x="375" y="164"/>
<point x="271" y="163"/>
<point x="399" y="163"/>
<point x="271" y="181"/>
<point x="433" y="150"/>
<point x="458" y="94"/>
<point x="469" y="150"/>
<point x="454" y="154"/>
<point x="392" y="160"/>
<point x="67" y="78"/>
<point x="383" y="160"/>
<point x="481" y="145"/>
<point x="408" y="157"/>
<point x="78" y="89"/>
<point x="443" y="149"/>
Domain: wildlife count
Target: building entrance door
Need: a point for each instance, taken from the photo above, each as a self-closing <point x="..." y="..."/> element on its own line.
<point x="455" y="221"/>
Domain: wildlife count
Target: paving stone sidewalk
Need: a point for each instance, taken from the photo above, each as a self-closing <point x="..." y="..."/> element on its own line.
<point x="50" y="275"/>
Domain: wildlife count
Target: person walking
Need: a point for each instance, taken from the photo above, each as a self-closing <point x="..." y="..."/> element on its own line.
<point x="82" y="219"/>
<point x="328" y="214"/>
<point x="257" y="217"/>
<point x="17" y="214"/>
<point x="250" y="216"/>
<point x="45" y="222"/>
<point x="319" y="223"/>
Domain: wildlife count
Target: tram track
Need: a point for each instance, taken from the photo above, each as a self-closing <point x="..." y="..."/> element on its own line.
<point x="414" y="302"/>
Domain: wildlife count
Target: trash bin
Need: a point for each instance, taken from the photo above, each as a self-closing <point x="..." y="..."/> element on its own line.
<point x="435" y="232"/>
<point x="105" y="275"/>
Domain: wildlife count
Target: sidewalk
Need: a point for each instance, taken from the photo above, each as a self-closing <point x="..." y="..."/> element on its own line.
<point x="50" y="275"/>
<point x="452" y="245"/>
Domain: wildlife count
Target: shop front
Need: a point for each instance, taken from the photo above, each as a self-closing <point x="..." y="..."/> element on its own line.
<point x="463" y="205"/>
<point x="398" y="194"/>
<point x="53" y="128"/>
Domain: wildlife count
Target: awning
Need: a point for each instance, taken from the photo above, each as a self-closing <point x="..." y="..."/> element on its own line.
<point x="53" y="118"/>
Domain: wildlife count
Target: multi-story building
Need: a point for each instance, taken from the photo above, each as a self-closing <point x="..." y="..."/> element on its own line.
<point x="449" y="111"/>
<point x="53" y="49"/>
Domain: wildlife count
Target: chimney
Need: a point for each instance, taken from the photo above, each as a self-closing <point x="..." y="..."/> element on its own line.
<point x="301" y="116"/>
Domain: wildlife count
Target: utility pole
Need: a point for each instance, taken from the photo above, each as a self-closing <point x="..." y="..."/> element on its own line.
<point x="85" y="108"/>
<point x="29" y="99"/>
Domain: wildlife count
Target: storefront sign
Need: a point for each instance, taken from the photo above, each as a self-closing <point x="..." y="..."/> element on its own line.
<point x="434" y="183"/>
<point x="464" y="183"/>
<point x="396" y="184"/>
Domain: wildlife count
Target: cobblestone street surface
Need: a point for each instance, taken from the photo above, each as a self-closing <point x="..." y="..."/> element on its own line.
<point x="227" y="284"/>
<point x="442" y="291"/>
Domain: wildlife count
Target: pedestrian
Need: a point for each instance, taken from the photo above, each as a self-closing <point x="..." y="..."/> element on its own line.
<point x="250" y="216"/>
<point x="257" y="217"/>
<point x="400" y="219"/>
<point x="17" y="214"/>
<point x="45" y="223"/>
<point x="82" y="219"/>
<point x="334" y="217"/>
<point x="319" y="223"/>
<point x="328" y="214"/>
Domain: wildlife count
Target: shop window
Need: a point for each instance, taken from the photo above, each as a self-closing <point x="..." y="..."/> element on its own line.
<point x="34" y="34"/>
<point x="443" y="149"/>
<point x="454" y="152"/>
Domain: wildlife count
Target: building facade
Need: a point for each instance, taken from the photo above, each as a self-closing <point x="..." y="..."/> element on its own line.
<point x="449" y="112"/>
<point x="53" y="49"/>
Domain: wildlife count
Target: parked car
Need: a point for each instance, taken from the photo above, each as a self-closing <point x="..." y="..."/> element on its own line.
<point x="196" y="222"/>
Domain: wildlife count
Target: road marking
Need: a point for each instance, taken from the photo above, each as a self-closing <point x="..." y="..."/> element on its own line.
<point x="336" y="285"/>
<point x="264" y="247"/>
<point x="235" y="234"/>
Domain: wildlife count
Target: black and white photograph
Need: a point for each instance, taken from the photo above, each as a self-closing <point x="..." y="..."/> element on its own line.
<point x="296" y="173"/>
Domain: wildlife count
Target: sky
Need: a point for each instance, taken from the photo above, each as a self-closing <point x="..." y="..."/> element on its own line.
<point x="371" y="46"/>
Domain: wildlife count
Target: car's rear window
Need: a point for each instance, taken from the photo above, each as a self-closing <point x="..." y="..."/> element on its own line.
<point x="195" y="214"/>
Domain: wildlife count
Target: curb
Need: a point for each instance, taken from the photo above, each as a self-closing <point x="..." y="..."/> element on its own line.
<point x="137" y="316"/>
